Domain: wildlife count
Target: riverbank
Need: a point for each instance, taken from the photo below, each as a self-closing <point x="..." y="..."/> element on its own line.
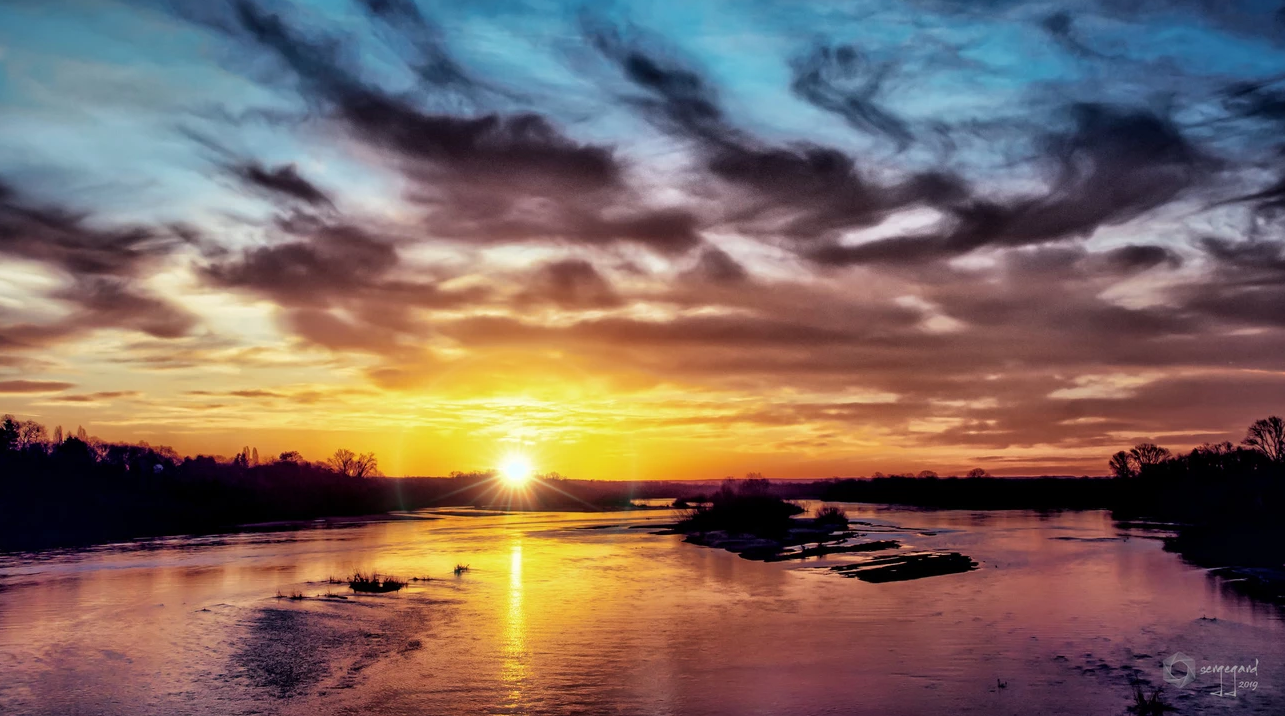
<point x="1246" y="558"/>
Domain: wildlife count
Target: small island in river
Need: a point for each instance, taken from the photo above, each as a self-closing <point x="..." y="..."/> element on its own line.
<point x="746" y="519"/>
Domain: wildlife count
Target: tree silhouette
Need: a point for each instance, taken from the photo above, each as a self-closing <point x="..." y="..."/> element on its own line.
<point x="926" y="473"/>
<point x="290" y="456"/>
<point x="353" y="465"/>
<point x="30" y="434"/>
<point x="978" y="472"/>
<point x="1123" y="465"/>
<point x="8" y="432"/>
<point x="1267" y="436"/>
<point x="1216" y="449"/>
<point x="754" y="484"/>
<point x="1147" y="454"/>
<point x="75" y="452"/>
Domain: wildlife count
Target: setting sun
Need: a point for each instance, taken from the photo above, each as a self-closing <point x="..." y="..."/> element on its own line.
<point x="515" y="469"/>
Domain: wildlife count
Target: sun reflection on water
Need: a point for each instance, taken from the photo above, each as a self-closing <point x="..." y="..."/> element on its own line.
<point x="513" y="669"/>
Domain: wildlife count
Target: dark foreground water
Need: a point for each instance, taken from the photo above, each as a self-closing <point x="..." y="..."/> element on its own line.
<point x="1065" y="610"/>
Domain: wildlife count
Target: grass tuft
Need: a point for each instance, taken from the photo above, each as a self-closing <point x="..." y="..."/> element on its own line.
<point x="374" y="584"/>
<point x="1144" y="705"/>
<point x="831" y="516"/>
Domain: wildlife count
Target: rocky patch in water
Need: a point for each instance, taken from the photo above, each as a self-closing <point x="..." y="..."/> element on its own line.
<point x="900" y="568"/>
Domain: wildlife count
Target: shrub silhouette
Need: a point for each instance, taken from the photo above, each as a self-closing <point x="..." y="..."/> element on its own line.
<point x="374" y="584"/>
<point x="747" y="508"/>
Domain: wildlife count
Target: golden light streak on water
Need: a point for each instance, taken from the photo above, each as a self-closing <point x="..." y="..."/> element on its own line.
<point x="513" y="671"/>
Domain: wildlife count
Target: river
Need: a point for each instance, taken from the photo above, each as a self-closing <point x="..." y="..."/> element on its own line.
<point x="566" y="613"/>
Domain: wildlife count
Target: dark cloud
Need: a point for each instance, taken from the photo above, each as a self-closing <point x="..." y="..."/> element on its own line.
<point x="108" y="302"/>
<point x="808" y="192"/>
<point x="324" y="267"/>
<point x="571" y="283"/>
<point x="104" y="266"/>
<point x="282" y="181"/>
<point x="1250" y="18"/>
<point x="66" y="240"/>
<point x="254" y="393"/>
<point x="1129" y="259"/>
<point x="1114" y="165"/>
<point x="434" y="63"/>
<point x="1246" y="285"/>
<point x="519" y="147"/>
<point x="1262" y="103"/>
<point x="676" y="97"/>
<point x="33" y="386"/>
<point x="1263" y="100"/>
<point x="96" y="397"/>
<point x="485" y="178"/>
<point x="1061" y="27"/>
<point x="329" y="263"/>
<point x="1270" y="199"/>
<point x="716" y="267"/>
<point x="744" y="333"/>
<point x="323" y="263"/>
<point x="1255" y="260"/>
<point x="843" y="81"/>
<point x="803" y="191"/>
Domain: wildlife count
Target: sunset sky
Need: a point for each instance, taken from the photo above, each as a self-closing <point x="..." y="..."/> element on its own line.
<point x="646" y="239"/>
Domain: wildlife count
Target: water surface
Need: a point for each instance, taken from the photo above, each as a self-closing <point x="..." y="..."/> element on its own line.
<point x="1065" y="610"/>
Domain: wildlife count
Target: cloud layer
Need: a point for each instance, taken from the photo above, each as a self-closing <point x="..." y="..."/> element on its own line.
<point x="817" y="248"/>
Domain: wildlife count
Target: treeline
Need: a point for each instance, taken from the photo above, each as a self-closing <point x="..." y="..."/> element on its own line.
<point x="61" y="491"/>
<point x="1228" y="500"/>
<point x="1215" y="484"/>
<point x="76" y="489"/>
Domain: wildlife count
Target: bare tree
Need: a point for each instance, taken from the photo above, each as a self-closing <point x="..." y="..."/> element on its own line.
<point x="1223" y="448"/>
<point x="342" y="460"/>
<point x="1146" y="454"/>
<point x="366" y="466"/>
<point x="1268" y="437"/>
<point x="58" y="435"/>
<point x="1123" y="465"/>
<point x="30" y="433"/>
<point x="290" y="456"/>
<point x="926" y="473"/>
<point x="353" y="465"/>
<point x="978" y="472"/>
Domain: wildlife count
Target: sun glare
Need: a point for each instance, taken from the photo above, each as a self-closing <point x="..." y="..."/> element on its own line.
<point x="516" y="469"/>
